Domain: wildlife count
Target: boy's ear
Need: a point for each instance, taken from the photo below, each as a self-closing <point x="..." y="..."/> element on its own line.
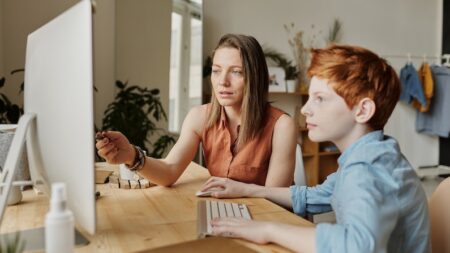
<point x="365" y="110"/>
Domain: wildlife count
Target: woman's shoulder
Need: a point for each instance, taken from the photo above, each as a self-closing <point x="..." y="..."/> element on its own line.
<point x="197" y="117"/>
<point x="285" y="125"/>
<point x="280" y="117"/>
<point x="274" y="111"/>
<point x="200" y="110"/>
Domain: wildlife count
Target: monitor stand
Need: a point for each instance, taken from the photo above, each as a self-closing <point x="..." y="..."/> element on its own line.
<point x="35" y="238"/>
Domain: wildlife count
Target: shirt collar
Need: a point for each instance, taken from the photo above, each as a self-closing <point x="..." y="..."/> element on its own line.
<point x="223" y="118"/>
<point x="369" y="137"/>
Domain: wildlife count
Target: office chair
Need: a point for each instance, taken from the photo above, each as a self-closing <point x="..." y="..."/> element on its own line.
<point x="439" y="206"/>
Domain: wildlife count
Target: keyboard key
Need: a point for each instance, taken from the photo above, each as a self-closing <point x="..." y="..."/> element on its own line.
<point x="209" y="209"/>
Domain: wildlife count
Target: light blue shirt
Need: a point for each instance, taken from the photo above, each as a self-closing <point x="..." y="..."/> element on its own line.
<point x="378" y="199"/>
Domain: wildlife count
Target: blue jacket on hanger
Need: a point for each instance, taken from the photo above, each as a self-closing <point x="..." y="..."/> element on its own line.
<point x="411" y="85"/>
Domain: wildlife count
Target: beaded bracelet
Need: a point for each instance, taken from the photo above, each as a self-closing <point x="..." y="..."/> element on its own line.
<point x="139" y="161"/>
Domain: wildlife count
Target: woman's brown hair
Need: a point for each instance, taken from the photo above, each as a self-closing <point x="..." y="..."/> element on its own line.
<point x="256" y="89"/>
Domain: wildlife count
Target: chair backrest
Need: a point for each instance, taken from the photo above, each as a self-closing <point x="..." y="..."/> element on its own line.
<point x="299" y="172"/>
<point x="439" y="205"/>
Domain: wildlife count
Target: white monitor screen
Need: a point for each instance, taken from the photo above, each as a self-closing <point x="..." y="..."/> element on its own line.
<point x="59" y="90"/>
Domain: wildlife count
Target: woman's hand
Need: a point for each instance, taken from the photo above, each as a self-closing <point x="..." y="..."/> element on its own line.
<point x="115" y="148"/>
<point x="254" y="231"/>
<point x="231" y="188"/>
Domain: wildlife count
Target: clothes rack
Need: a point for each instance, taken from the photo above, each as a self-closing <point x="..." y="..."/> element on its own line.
<point x="444" y="57"/>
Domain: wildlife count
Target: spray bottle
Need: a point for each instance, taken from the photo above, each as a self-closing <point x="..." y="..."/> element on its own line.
<point x="59" y="222"/>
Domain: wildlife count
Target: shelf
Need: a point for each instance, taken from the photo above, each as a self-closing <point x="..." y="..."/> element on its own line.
<point x="323" y="153"/>
<point x="307" y="154"/>
<point x="286" y="93"/>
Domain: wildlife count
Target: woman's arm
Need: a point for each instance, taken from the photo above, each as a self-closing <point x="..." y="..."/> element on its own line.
<point x="282" y="160"/>
<point x="116" y="149"/>
<point x="166" y="171"/>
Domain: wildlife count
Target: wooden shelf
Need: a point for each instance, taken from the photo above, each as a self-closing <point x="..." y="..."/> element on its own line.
<point x="297" y="93"/>
<point x="330" y="153"/>
<point x="307" y="154"/>
<point x="285" y="93"/>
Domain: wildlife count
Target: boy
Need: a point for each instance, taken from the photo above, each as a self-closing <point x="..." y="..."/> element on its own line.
<point x="379" y="203"/>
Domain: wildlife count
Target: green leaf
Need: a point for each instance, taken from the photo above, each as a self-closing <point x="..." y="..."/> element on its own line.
<point x="120" y="85"/>
<point x="134" y="112"/>
<point x="13" y="114"/>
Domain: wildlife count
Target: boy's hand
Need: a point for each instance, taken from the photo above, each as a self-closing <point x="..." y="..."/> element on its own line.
<point x="231" y="188"/>
<point x="114" y="147"/>
<point x="255" y="231"/>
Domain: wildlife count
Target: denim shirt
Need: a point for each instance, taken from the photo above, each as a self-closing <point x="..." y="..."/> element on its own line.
<point x="411" y="85"/>
<point x="378" y="199"/>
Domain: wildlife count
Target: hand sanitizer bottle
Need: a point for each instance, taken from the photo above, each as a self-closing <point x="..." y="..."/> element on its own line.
<point x="59" y="223"/>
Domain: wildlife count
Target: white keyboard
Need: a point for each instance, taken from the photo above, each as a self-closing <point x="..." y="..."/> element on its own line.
<point x="210" y="209"/>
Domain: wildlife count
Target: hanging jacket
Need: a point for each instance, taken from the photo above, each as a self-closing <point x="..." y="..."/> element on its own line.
<point x="426" y="78"/>
<point x="437" y="120"/>
<point x="411" y="85"/>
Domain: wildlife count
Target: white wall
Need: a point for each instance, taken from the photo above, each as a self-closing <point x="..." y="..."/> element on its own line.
<point x="21" y="17"/>
<point x="104" y="57"/>
<point x="384" y="26"/>
<point x="139" y="52"/>
<point x="143" y="45"/>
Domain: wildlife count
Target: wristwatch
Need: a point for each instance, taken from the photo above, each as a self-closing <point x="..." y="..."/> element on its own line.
<point x="139" y="159"/>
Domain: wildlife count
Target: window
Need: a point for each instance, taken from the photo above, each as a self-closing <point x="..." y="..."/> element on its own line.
<point x="185" y="61"/>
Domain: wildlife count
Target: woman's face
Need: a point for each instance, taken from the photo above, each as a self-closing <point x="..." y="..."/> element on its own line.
<point x="227" y="77"/>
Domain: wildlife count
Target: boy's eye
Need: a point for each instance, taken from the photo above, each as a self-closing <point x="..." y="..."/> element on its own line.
<point x="318" y="99"/>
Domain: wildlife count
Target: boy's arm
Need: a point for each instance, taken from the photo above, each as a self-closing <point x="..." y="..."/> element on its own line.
<point x="296" y="238"/>
<point x="314" y="199"/>
<point x="367" y="216"/>
<point x="300" y="198"/>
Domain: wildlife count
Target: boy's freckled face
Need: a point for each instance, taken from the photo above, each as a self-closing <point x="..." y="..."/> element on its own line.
<point x="328" y="117"/>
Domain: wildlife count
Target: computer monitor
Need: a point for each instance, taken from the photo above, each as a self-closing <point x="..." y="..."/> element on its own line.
<point x="58" y="106"/>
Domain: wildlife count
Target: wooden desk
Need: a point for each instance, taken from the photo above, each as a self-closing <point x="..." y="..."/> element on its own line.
<point x="133" y="220"/>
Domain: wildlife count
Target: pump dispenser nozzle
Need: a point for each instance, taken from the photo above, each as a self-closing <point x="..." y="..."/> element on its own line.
<point x="58" y="198"/>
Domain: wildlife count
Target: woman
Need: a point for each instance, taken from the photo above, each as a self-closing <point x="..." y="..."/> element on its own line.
<point x="243" y="137"/>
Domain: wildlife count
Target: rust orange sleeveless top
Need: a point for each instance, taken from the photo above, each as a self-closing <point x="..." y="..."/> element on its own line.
<point x="251" y="163"/>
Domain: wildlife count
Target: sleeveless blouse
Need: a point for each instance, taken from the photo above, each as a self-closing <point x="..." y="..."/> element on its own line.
<point x="251" y="163"/>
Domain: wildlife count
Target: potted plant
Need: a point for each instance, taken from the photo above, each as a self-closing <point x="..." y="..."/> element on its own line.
<point x="9" y="112"/>
<point x="134" y="112"/>
<point x="289" y="68"/>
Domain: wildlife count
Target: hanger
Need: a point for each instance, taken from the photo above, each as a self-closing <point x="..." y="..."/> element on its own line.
<point x="446" y="58"/>
<point x="408" y="55"/>
<point x="425" y="58"/>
